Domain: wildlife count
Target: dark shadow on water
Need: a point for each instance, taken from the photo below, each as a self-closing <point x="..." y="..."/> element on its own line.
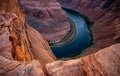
<point x="89" y="23"/>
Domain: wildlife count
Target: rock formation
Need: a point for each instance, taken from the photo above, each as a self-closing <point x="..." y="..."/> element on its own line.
<point x="20" y="44"/>
<point x="23" y="51"/>
<point x="47" y="17"/>
<point x="106" y="17"/>
<point x="105" y="62"/>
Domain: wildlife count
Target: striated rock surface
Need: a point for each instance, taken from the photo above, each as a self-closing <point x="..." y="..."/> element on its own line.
<point x="47" y="17"/>
<point x="106" y="62"/>
<point x="20" y="44"/>
<point x="106" y="17"/>
<point x="23" y="51"/>
<point x="16" y="68"/>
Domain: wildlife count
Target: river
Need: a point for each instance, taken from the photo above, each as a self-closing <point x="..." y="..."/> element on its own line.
<point x="81" y="39"/>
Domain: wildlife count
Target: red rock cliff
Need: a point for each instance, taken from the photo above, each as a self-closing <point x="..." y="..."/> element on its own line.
<point x="106" y="62"/>
<point x="23" y="51"/>
<point x="20" y="44"/>
<point x="47" y="17"/>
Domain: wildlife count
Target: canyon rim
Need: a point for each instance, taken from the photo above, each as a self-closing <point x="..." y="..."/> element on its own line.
<point x="24" y="50"/>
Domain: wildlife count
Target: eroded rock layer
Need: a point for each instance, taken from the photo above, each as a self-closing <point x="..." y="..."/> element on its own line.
<point x="47" y="17"/>
<point x="106" y="62"/>
<point x="23" y="51"/>
<point x="20" y="44"/>
<point x="106" y="16"/>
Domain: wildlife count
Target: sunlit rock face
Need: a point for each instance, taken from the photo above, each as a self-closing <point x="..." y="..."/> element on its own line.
<point x="47" y="17"/>
<point x="106" y="62"/>
<point x="20" y="44"/>
<point x="24" y="52"/>
<point x="106" y="17"/>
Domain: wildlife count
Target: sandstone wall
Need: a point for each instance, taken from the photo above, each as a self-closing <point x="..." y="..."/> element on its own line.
<point x="47" y="17"/>
<point x="105" y="62"/>
<point x="23" y="51"/>
<point x="20" y="45"/>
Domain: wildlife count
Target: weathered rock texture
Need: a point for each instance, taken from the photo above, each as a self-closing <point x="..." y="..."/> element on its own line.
<point x="47" y="17"/>
<point x="20" y="44"/>
<point x="23" y="51"/>
<point x="106" y="62"/>
<point x="106" y="16"/>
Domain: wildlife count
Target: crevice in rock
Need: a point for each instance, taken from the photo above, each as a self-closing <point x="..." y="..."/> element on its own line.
<point x="18" y="49"/>
<point x="50" y="14"/>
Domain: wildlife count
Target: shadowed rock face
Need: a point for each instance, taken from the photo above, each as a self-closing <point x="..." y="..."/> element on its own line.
<point x="47" y="17"/>
<point x="20" y="44"/>
<point x="106" y="16"/>
<point x="23" y="51"/>
<point x="106" y="62"/>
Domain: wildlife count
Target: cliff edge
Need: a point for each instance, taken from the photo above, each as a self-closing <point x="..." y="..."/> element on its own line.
<point x="20" y="44"/>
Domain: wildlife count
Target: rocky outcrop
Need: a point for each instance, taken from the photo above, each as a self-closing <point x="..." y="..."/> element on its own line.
<point x="47" y="17"/>
<point x="106" y="17"/>
<point x="16" y="68"/>
<point x="106" y="62"/>
<point x="23" y="51"/>
<point x="20" y="44"/>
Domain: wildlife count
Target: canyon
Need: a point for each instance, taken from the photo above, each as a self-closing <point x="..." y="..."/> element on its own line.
<point x="103" y="63"/>
<point x="17" y="50"/>
<point x="24" y="51"/>
<point x="47" y="17"/>
<point x="106" y="17"/>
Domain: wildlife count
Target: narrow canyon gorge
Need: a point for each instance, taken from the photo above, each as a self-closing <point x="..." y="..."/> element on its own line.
<point x="27" y="27"/>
